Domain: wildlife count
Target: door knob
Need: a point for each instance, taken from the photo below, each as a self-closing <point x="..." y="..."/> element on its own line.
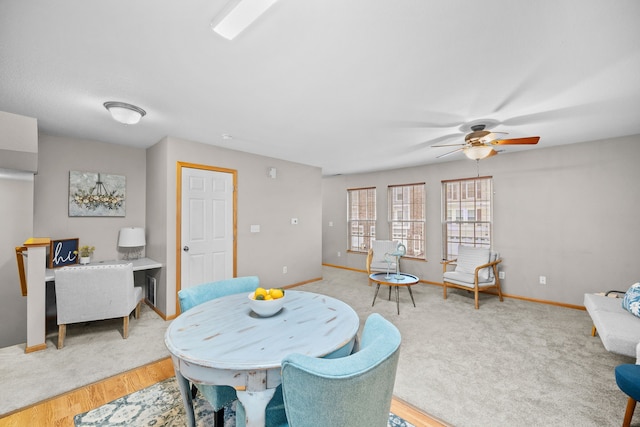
<point x="186" y="249"/>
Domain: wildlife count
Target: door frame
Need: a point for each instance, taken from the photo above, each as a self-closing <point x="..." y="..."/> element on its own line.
<point x="179" y="166"/>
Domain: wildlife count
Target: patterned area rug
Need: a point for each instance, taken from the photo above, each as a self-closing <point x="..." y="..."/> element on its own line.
<point x="161" y="405"/>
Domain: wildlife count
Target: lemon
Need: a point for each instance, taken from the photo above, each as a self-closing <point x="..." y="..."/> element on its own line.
<point x="268" y="298"/>
<point x="276" y="293"/>
<point x="260" y="292"/>
<point x="259" y="297"/>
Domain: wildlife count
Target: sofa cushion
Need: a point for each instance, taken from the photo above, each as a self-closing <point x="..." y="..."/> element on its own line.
<point x="617" y="328"/>
<point x="631" y="300"/>
<point x="470" y="257"/>
<point x="465" y="279"/>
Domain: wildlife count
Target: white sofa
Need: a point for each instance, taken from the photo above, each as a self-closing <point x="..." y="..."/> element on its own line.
<point x="619" y="330"/>
<point x="95" y="292"/>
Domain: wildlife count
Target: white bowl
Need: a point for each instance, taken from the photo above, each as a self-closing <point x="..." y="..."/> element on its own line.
<point x="266" y="308"/>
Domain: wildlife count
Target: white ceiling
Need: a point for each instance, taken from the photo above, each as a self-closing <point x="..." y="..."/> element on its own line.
<point x="349" y="86"/>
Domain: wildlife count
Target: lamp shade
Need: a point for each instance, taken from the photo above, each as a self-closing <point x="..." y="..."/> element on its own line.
<point x="477" y="152"/>
<point x="131" y="237"/>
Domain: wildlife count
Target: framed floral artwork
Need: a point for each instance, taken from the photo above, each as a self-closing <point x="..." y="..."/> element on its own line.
<point x="97" y="194"/>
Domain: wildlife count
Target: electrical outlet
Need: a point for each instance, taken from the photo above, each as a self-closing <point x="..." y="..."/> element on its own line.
<point x="339" y="254"/>
<point x="543" y="280"/>
<point x="284" y="270"/>
<point x="501" y="274"/>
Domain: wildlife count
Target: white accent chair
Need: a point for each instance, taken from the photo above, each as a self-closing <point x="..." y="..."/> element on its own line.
<point x="376" y="257"/>
<point x="95" y="292"/>
<point x="476" y="270"/>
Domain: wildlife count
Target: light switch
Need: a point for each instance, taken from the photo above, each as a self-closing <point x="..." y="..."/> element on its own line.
<point x="255" y="228"/>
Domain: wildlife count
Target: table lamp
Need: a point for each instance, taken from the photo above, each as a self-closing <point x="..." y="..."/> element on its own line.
<point x="133" y="239"/>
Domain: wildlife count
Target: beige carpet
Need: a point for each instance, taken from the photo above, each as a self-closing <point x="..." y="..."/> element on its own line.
<point x="513" y="363"/>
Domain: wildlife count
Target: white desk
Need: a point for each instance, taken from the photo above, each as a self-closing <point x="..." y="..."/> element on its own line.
<point x="138" y="265"/>
<point x="222" y="342"/>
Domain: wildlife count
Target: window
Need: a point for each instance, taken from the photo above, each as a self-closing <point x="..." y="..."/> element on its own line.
<point x="361" y="218"/>
<point x="467" y="205"/>
<point x="407" y="217"/>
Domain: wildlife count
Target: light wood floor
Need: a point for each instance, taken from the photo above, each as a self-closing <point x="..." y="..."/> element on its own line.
<point x="60" y="410"/>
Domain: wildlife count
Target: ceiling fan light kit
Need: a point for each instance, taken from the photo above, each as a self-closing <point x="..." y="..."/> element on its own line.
<point x="124" y="113"/>
<point x="479" y="143"/>
<point x="237" y="15"/>
<point x="477" y="152"/>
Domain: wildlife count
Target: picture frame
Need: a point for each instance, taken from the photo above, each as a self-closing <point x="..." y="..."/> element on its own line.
<point x="97" y="194"/>
<point x="61" y="252"/>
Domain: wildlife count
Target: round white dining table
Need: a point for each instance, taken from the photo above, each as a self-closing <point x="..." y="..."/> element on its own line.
<point x="223" y="342"/>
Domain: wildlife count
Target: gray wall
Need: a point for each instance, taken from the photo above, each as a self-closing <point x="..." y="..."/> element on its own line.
<point x="569" y="213"/>
<point x="18" y="162"/>
<point x="58" y="156"/>
<point x="270" y="203"/>
<point x="16" y="211"/>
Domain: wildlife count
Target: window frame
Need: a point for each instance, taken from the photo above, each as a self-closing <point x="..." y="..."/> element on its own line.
<point x="477" y="222"/>
<point x="415" y="244"/>
<point x="365" y="227"/>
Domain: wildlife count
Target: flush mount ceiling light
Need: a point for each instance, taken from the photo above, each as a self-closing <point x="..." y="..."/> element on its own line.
<point x="477" y="152"/>
<point x="237" y="15"/>
<point x="125" y="113"/>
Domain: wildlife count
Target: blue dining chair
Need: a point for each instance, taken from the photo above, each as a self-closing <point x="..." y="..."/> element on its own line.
<point x="217" y="396"/>
<point x="275" y="415"/>
<point x="350" y="391"/>
<point x="628" y="379"/>
<point x="354" y="391"/>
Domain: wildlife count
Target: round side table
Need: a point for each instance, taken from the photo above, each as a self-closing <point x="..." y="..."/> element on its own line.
<point x="394" y="280"/>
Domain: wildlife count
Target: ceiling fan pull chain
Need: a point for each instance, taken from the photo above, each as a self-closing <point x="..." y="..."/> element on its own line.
<point x="478" y="167"/>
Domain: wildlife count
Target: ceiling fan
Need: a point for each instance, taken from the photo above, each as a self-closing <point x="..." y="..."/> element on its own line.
<point x="479" y="143"/>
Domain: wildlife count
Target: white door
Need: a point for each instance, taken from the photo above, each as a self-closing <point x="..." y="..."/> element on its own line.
<point x="207" y="226"/>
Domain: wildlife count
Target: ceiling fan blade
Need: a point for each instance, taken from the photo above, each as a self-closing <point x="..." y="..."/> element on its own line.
<point x="448" y="145"/>
<point x="419" y="124"/>
<point x="449" y="153"/>
<point x="433" y="119"/>
<point x="516" y="141"/>
<point x="491" y="154"/>
<point x="444" y="138"/>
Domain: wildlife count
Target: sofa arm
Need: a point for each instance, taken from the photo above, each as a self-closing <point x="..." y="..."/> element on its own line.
<point x="638" y="354"/>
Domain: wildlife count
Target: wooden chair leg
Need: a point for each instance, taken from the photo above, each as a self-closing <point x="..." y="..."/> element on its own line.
<point x="499" y="289"/>
<point x="476" y="297"/>
<point x="62" y="331"/>
<point x="444" y="290"/>
<point x="593" y="331"/>
<point x="631" y="406"/>
<point x="137" y="312"/>
<point x="125" y="327"/>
